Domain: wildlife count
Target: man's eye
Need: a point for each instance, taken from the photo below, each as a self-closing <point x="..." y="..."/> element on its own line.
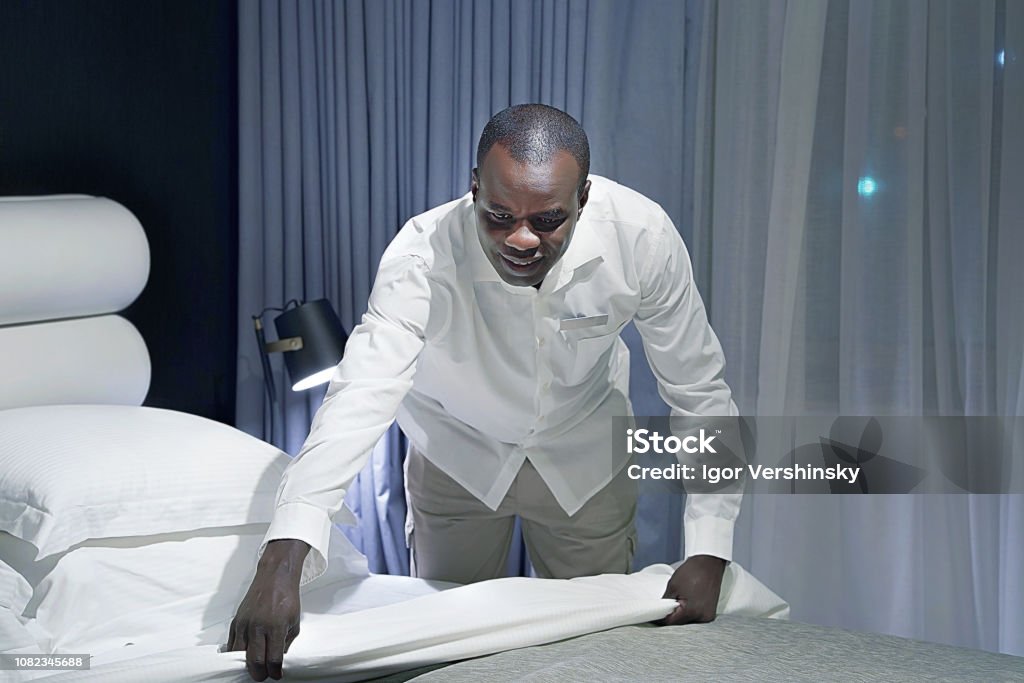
<point x="499" y="217"/>
<point x="548" y="223"/>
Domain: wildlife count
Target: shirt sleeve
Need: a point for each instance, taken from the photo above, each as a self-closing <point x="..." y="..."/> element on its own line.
<point x="687" y="361"/>
<point x="361" y="402"/>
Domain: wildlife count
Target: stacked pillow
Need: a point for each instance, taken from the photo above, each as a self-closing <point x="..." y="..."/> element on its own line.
<point x="119" y="522"/>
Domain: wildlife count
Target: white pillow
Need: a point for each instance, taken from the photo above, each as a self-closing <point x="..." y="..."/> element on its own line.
<point x="15" y="591"/>
<point x="14" y="595"/>
<point x="107" y="594"/>
<point x="75" y="472"/>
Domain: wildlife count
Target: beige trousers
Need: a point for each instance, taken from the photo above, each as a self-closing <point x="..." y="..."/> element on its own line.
<point x="455" y="537"/>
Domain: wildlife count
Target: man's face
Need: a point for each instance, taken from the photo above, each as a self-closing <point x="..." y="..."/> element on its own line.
<point x="526" y="213"/>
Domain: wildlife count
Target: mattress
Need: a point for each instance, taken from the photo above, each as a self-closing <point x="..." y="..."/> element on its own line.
<point x="732" y="648"/>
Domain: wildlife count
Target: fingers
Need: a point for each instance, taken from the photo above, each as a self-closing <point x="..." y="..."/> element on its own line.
<point x="672" y="618"/>
<point x="236" y="637"/>
<point x="678" y="616"/>
<point x="293" y="632"/>
<point x="230" y="645"/>
<point x="256" y="656"/>
<point x="689" y="612"/>
<point x="264" y="655"/>
<point x="275" y="653"/>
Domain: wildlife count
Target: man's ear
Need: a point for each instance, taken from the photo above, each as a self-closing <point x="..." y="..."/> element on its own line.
<point x="474" y="183"/>
<point x="584" y="196"/>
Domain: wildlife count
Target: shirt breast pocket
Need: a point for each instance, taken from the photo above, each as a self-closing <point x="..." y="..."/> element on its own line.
<point x="575" y="338"/>
<point x="588" y="349"/>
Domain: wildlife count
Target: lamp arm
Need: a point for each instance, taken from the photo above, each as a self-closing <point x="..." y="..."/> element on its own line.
<point x="268" y="377"/>
<point x="288" y="344"/>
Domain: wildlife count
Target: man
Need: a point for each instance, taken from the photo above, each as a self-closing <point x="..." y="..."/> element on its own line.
<point x="492" y="335"/>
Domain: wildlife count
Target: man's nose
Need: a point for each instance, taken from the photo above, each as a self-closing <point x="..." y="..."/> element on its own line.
<point x="522" y="238"/>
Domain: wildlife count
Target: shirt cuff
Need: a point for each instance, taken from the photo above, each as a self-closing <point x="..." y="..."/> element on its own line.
<point x="709" y="535"/>
<point x="307" y="523"/>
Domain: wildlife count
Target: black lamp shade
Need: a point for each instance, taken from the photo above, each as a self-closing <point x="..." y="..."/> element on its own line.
<point x="323" y="342"/>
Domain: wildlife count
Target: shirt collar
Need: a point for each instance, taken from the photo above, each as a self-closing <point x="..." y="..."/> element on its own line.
<point x="482" y="269"/>
<point x="584" y="249"/>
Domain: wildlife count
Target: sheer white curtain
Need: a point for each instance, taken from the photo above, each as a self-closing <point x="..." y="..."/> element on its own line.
<point x="858" y="231"/>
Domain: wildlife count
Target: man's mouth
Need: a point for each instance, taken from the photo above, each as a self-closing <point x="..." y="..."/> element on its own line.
<point x="521" y="263"/>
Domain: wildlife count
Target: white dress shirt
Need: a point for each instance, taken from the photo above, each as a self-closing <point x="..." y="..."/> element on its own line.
<point x="482" y="375"/>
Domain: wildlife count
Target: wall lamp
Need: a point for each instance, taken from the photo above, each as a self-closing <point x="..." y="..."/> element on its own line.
<point x="312" y="340"/>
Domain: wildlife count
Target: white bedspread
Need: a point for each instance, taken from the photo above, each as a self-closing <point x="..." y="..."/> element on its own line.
<point x="459" y="623"/>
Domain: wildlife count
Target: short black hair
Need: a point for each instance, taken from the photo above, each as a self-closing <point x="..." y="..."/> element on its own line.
<point x="533" y="133"/>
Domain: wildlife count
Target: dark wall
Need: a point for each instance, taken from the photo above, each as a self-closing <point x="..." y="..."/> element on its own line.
<point x="136" y="100"/>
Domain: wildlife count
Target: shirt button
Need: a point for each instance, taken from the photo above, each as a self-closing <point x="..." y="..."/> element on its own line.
<point x="540" y="341"/>
<point x="547" y="385"/>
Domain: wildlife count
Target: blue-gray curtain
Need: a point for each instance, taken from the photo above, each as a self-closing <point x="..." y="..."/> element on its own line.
<point x="827" y="295"/>
<point x="356" y="115"/>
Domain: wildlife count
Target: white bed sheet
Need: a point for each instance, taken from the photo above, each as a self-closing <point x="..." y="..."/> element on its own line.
<point x="340" y="644"/>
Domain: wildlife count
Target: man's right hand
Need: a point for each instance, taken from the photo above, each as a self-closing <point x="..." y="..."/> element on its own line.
<point x="267" y="621"/>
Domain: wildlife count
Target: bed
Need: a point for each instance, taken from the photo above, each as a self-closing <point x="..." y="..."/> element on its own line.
<point x="129" y="533"/>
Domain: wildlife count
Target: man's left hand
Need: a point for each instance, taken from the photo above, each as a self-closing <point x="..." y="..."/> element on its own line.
<point x="696" y="584"/>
